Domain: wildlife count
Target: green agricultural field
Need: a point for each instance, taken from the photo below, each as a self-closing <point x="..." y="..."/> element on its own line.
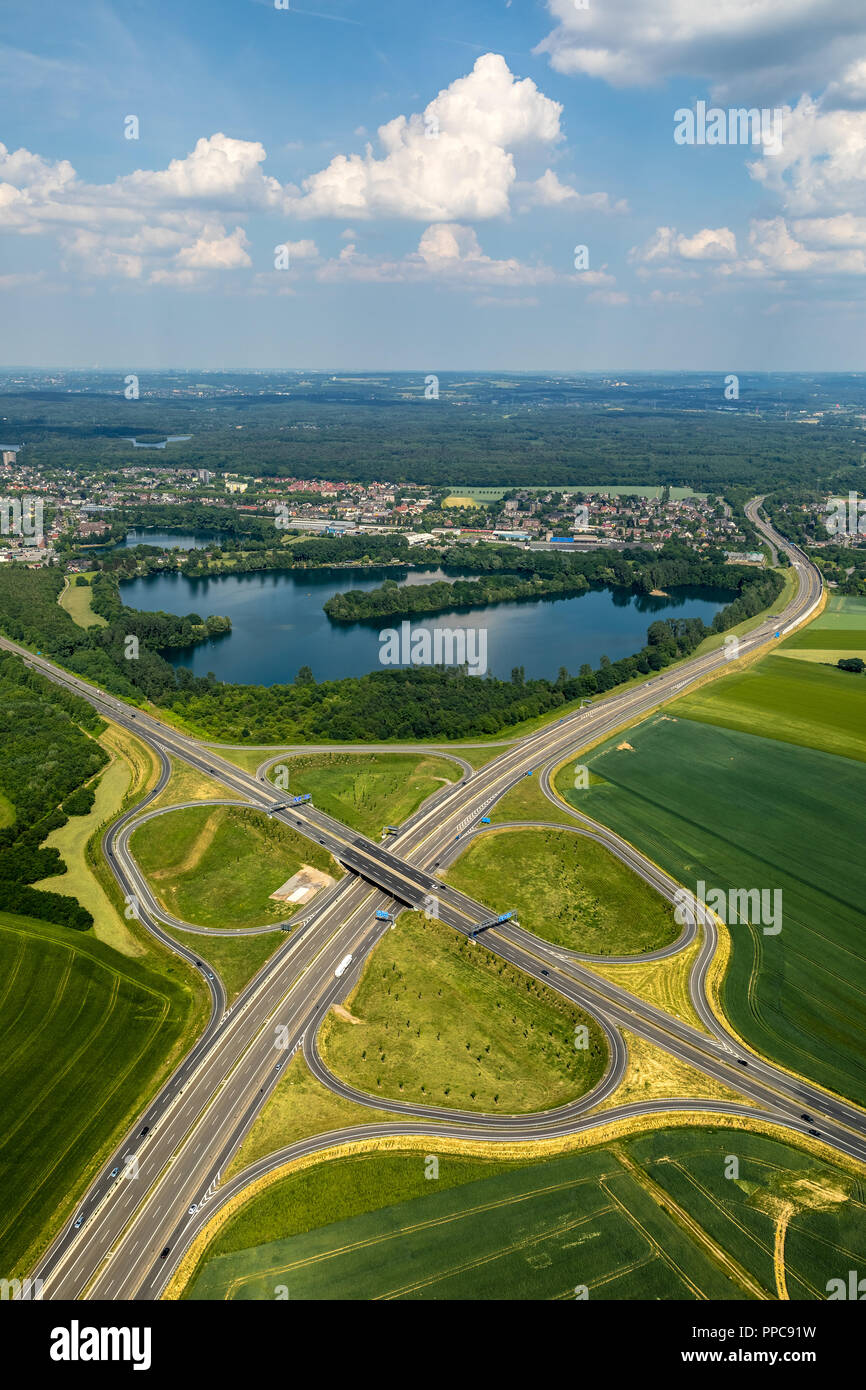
<point x="793" y="701"/>
<point x="377" y="1226"/>
<point x="441" y="1021"/>
<point x="215" y="866"/>
<point x="738" y="811"/>
<point x="369" y="790"/>
<point x="567" y="889"/>
<point x="821" y="1206"/>
<point x="839" y="631"/>
<point x="84" y="1035"/>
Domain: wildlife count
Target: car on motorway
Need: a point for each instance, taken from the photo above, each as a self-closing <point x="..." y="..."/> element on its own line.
<point x="209" y="975"/>
<point x="165" y="1252"/>
<point x="279" y="1066"/>
<point x="741" y="1062"/>
<point x="545" y="972"/>
<point x="816" y="1132"/>
<point x="193" y="1209"/>
<point x="804" y="1116"/>
<point x="78" y="1221"/>
<point x="143" y="1132"/>
<point x="114" y="1172"/>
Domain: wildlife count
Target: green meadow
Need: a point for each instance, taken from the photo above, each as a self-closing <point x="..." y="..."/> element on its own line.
<point x="369" y="790"/>
<point x="439" y="1020"/>
<point x="567" y="889"/>
<point x="216" y="866"/>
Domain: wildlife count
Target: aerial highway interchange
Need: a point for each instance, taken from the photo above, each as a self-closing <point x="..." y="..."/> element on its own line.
<point x="129" y="1234"/>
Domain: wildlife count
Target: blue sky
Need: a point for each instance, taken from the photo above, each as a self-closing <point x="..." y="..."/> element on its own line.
<point x="429" y="170"/>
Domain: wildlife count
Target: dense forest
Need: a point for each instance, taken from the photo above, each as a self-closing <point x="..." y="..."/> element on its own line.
<point x="46" y="757"/>
<point x="521" y="430"/>
<point x="392" y="600"/>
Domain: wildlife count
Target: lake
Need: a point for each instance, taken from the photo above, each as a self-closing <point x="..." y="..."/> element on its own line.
<point x="171" y="439"/>
<point x="278" y="623"/>
<point x="171" y="540"/>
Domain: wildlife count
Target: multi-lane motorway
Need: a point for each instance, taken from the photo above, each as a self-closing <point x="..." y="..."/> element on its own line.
<point x="131" y="1229"/>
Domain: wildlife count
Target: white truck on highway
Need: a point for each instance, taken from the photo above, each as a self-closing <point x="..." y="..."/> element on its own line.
<point x="343" y="966"/>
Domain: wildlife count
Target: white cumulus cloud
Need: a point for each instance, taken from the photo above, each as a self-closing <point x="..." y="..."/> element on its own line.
<point x="454" y="160"/>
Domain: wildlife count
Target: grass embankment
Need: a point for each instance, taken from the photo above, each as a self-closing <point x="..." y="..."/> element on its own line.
<point x="567" y="889"/>
<point x="85" y="1036"/>
<point x="526" y="801"/>
<point x="76" y="599"/>
<point x="664" y="1214"/>
<point x="188" y="784"/>
<point x="368" y="791"/>
<point x="215" y="866"/>
<point x="298" y="1107"/>
<point x="444" y="1022"/>
<point x="653" y="1074"/>
<point x="664" y="983"/>
<point x="236" y="958"/>
<point x="739" y="811"/>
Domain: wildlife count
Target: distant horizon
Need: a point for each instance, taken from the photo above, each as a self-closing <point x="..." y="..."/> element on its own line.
<point x="421" y="370"/>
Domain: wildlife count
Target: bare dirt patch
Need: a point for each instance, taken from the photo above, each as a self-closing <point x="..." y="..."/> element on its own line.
<point x="302" y="886"/>
<point x="342" y="1012"/>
